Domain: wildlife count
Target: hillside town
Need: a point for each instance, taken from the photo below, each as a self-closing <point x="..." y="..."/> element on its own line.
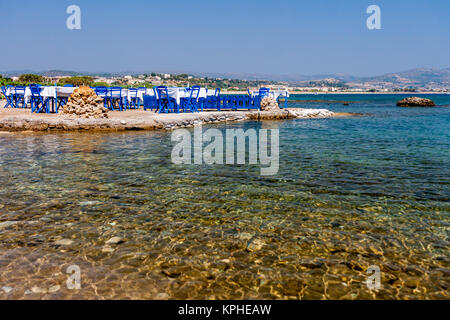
<point x="327" y="85"/>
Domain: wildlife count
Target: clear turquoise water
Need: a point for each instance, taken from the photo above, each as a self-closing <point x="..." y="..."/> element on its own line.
<point x="350" y="193"/>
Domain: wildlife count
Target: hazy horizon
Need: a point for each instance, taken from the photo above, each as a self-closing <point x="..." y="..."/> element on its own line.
<point x="255" y="74"/>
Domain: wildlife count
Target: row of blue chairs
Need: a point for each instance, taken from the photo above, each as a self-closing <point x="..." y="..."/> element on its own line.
<point x="263" y="92"/>
<point x="37" y="103"/>
<point x="113" y="98"/>
<point x="162" y="102"/>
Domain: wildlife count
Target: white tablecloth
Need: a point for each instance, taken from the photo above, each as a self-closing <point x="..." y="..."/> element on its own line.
<point x="178" y="93"/>
<point x="46" y="92"/>
<point x="174" y="92"/>
<point x="274" y="94"/>
<point x="140" y="93"/>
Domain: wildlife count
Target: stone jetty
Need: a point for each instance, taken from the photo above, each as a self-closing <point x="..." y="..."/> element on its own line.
<point x="24" y="120"/>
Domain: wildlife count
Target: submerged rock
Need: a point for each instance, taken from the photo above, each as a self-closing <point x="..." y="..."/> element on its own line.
<point x="7" y="224"/>
<point x="114" y="240"/>
<point x="7" y="289"/>
<point x="54" y="289"/>
<point x="38" y="290"/>
<point x="64" y="242"/>
<point x="255" y="245"/>
<point x="107" y="249"/>
<point x="415" y="102"/>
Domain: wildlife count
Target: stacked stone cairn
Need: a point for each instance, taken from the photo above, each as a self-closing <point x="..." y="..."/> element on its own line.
<point x="84" y="103"/>
<point x="268" y="104"/>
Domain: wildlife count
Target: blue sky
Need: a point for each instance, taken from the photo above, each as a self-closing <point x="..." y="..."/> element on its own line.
<point x="246" y="36"/>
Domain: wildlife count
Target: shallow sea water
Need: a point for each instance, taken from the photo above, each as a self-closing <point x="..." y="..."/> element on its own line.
<point x="350" y="193"/>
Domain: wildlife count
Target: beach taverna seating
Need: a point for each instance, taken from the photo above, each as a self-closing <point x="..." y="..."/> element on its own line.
<point x="160" y="99"/>
<point x="151" y="101"/>
<point x="9" y="98"/>
<point x="19" y="97"/>
<point x="133" y="98"/>
<point x="38" y="103"/>
<point x="166" y="103"/>
<point x="116" y="99"/>
<point x="103" y="93"/>
<point x="191" y="103"/>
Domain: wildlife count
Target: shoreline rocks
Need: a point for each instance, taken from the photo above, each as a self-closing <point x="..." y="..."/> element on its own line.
<point x="154" y="121"/>
<point x="415" y="102"/>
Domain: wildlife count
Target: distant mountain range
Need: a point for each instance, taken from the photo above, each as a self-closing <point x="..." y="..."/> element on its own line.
<point x="414" y="78"/>
<point x="419" y="78"/>
<point x="59" y="73"/>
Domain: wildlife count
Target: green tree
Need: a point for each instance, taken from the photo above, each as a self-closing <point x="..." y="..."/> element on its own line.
<point x="31" y="78"/>
<point x="100" y="84"/>
<point x="77" y="81"/>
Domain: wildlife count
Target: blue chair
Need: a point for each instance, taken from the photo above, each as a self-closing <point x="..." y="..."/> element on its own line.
<point x="165" y="102"/>
<point x="215" y="100"/>
<point x="142" y="90"/>
<point x="9" y="97"/>
<point x="191" y="103"/>
<point x="37" y="102"/>
<point x="235" y="101"/>
<point x="61" y="101"/>
<point x="133" y="98"/>
<point x="19" y="97"/>
<point x="115" y="98"/>
<point x="264" y="92"/>
<point x="203" y="102"/>
<point x="102" y="92"/>
<point x="151" y="102"/>
<point x="255" y="103"/>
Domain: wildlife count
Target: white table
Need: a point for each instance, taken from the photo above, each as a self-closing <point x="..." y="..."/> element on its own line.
<point x="46" y="92"/>
<point x="140" y="93"/>
<point x="178" y="93"/>
<point x="174" y="92"/>
<point x="274" y="94"/>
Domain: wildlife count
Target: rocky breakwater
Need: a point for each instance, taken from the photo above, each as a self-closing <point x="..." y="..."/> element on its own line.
<point x="291" y="113"/>
<point x="415" y="102"/>
<point x="84" y="103"/>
